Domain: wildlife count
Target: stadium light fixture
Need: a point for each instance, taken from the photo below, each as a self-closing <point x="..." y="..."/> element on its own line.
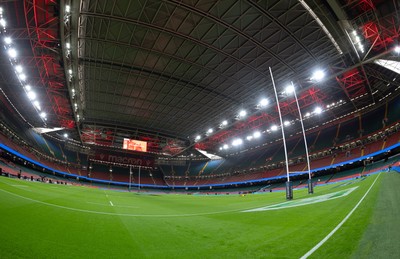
<point x="68" y="45"/>
<point x="70" y="71"/>
<point x="237" y="142"/>
<point x="67" y="8"/>
<point x="249" y="137"/>
<point x="286" y="123"/>
<point x="289" y="89"/>
<point x="257" y="134"/>
<point x="3" y="22"/>
<point x="31" y="95"/>
<point x="198" y="137"/>
<point x="242" y="113"/>
<point x="225" y="146"/>
<point x="37" y="105"/>
<point x="12" y="53"/>
<point x="22" y="77"/>
<point x="274" y="128"/>
<point x="224" y="123"/>
<point x="264" y="102"/>
<point x="43" y="115"/>
<point x="1" y="10"/>
<point x="318" y="110"/>
<point x="8" y="40"/>
<point x="28" y="88"/>
<point x="19" y="69"/>
<point x="65" y="135"/>
<point x="210" y="130"/>
<point x="397" y="49"/>
<point x="318" y="75"/>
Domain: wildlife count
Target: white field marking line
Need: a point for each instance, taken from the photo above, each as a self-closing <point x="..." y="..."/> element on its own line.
<point x="19" y="185"/>
<point x="122" y="206"/>
<point x="340" y="224"/>
<point x="111" y="203"/>
<point x="305" y="201"/>
<point x="120" y="214"/>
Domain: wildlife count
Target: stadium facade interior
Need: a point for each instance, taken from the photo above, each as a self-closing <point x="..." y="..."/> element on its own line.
<point x="188" y="86"/>
<point x="217" y="99"/>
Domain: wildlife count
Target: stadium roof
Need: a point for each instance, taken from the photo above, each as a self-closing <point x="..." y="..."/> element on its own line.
<point x="167" y="71"/>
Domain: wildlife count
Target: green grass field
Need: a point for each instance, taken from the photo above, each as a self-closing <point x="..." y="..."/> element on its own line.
<point x="54" y="221"/>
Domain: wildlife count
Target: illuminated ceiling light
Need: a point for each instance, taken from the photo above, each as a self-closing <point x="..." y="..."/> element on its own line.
<point x="242" y="113"/>
<point x="70" y="71"/>
<point x="68" y="45"/>
<point x="65" y="135"/>
<point x="318" y="110"/>
<point x="18" y="68"/>
<point x="31" y="95"/>
<point x="12" y="53"/>
<point x="225" y="146"/>
<point x="286" y="123"/>
<point x="36" y="104"/>
<point x="249" y="137"/>
<point x="318" y="75"/>
<point x="28" y="88"/>
<point x="397" y="49"/>
<point x="210" y="130"/>
<point x="237" y="142"/>
<point x="257" y="134"/>
<point x="67" y="8"/>
<point x="22" y="77"/>
<point x="43" y="114"/>
<point x="3" y="22"/>
<point x="1" y="10"/>
<point x="224" y="123"/>
<point x="8" y="40"/>
<point x="198" y="137"/>
<point x="307" y="114"/>
<point x="289" y="89"/>
<point x="355" y="33"/>
<point x="220" y="148"/>
<point x="274" y="128"/>
<point x="264" y="102"/>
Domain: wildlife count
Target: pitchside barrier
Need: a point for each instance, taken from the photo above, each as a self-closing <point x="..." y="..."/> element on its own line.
<point x="396" y="168"/>
<point x="84" y="178"/>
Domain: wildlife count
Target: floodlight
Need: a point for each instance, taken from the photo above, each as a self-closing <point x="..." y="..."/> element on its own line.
<point x="242" y="113"/>
<point x="307" y="114"/>
<point x="22" y="77"/>
<point x="18" y="68"/>
<point x="286" y="123"/>
<point x="249" y="137"/>
<point x="68" y="45"/>
<point x="67" y="8"/>
<point x="397" y="49"/>
<point x="220" y="148"/>
<point x="198" y="137"/>
<point x="1" y="10"/>
<point x="318" y="75"/>
<point x="224" y="123"/>
<point x="237" y="142"/>
<point x="289" y="89"/>
<point x="257" y="134"/>
<point x="318" y="110"/>
<point x="28" y="88"/>
<point x="65" y="135"/>
<point x="210" y="130"/>
<point x="36" y="104"/>
<point x="264" y="102"/>
<point x="31" y="95"/>
<point x="8" y="40"/>
<point x="12" y="53"/>
<point x="225" y="146"/>
<point x="274" y="128"/>
<point x="70" y="71"/>
<point x="43" y="114"/>
<point x="3" y="22"/>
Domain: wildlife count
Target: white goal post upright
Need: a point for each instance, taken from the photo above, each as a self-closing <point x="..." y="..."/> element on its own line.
<point x="289" y="187"/>
<point x="310" y="186"/>
<point x="130" y="177"/>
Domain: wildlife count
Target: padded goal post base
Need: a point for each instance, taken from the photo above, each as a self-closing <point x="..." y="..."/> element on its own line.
<point x="289" y="191"/>
<point x="310" y="187"/>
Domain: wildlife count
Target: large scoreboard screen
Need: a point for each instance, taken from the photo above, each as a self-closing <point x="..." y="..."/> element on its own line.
<point x="135" y="145"/>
